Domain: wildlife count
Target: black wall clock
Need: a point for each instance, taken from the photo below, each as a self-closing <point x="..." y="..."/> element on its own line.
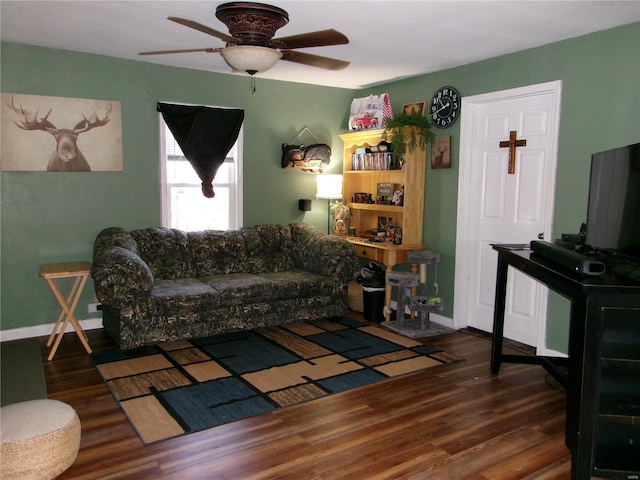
<point x="444" y="108"/>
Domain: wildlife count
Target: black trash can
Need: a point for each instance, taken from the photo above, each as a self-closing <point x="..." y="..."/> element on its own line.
<point x="372" y="279"/>
<point x="373" y="303"/>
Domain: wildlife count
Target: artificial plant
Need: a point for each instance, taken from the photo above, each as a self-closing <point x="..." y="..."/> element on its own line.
<point x="403" y="139"/>
<point x="340" y="210"/>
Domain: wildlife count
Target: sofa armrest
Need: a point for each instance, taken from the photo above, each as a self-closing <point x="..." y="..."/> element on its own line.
<point x="120" y="277"/>
<point x="324" y="254"/>
<point x="336" y="257"/>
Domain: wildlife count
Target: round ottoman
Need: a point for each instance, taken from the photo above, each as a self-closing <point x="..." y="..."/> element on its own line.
<point x="40" y="439"/>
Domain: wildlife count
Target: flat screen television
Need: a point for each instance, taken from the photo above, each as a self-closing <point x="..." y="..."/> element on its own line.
<point x="613" y="214"/>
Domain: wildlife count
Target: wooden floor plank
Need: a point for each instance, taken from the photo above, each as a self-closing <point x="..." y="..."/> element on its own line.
<point x="454" y="421"/>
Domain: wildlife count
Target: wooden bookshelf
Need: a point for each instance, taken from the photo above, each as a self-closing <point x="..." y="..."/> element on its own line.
<point x="364" y="216"/>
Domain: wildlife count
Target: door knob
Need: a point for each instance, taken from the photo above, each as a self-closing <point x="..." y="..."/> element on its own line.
<point x="541" y="236"/>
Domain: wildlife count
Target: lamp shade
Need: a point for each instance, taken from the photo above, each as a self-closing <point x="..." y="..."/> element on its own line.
<point x="250" y="58"/>
<point x="329" y="186"/>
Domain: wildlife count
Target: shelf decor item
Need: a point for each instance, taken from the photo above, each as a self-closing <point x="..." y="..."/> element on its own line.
<point x="370" y="112"/>
<point x="384" y="193"/>
<point x="361" y="197"/>
<point x="398" y="197"/>
<point x="341" y="213"/>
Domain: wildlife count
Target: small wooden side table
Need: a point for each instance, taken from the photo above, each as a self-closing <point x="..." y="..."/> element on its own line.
<point x="79" y="271"/>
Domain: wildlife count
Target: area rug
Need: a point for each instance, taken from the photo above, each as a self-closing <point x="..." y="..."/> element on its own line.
<point x="182" y="387"/>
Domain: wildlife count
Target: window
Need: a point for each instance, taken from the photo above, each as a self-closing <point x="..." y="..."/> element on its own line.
<point x="183" y="205"/>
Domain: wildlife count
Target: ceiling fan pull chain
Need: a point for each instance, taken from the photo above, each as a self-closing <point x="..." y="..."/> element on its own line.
<point x="253" y="84"/>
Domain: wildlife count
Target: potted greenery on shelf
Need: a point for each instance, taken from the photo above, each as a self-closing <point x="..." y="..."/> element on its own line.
<point x="403" y="139"/>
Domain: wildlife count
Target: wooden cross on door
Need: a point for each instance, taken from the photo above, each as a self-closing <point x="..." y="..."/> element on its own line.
<point x="512" y="143"/>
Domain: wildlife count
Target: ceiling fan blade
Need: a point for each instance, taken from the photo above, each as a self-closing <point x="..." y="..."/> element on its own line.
<point x="203" y="28"/>
<point x="321" y="38"/>
<point x="314" y="60"/>
<point x="184" y="50"/>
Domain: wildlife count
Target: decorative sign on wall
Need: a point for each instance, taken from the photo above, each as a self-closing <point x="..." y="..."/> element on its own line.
<point x="58" y="134"/>
<point x="441" y="152"/>
<point x="384" y="193"/>
<point x="417" y="108"/>
<point x="308" y="158"/>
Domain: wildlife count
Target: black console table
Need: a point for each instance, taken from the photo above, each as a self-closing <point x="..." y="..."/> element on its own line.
<point x="603" y="364"/>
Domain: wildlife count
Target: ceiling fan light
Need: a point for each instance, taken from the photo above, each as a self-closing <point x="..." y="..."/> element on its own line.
<point x="250" y="58"/>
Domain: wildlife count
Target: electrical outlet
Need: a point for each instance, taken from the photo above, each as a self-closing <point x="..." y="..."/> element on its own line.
<point x="95" y="307"/>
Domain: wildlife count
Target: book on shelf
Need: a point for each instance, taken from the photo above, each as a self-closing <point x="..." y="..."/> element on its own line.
<point x="372" y="161"/>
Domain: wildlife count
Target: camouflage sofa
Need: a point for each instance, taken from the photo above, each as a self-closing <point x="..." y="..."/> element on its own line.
<point x="161" y="284"/>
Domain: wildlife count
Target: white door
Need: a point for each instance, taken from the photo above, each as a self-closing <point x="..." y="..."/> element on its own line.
<point x="495" y="206"/>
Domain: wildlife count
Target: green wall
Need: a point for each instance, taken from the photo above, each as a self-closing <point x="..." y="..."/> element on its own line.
<point x="51" y="218"/>
<point x="600" y="109"/>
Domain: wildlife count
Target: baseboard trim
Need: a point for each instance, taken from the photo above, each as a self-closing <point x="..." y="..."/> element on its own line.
<point x="95" y="323"/>
<point x="445" y="321"/>
<point x="45" y="330"/>
<point x="547" y="352"/>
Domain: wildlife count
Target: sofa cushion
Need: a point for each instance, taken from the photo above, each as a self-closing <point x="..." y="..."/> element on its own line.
<point x="241" y="288"/>
<point x="248" y="288"/>
<point x="166" y="251"/>
<point x="276" y="262"/>
<point x="184" y="295"/>
<point x="298" y="283"/>
<point x="268" y="248"/>
<point x="218" y="252"/>
<point x="265" y="239"/>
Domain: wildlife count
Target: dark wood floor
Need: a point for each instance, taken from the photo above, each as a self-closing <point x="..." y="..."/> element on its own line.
<point x="450" y="422"/>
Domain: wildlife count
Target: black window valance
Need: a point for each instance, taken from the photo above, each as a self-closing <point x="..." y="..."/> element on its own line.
<point x="205" y="136"/>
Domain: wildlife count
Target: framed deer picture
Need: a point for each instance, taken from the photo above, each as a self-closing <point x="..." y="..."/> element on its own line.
<point x="441" y="152"/>
<point x="58" y="134"/>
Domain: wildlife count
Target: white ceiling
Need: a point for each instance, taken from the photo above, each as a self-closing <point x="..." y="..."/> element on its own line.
<point x="388" y="39"/>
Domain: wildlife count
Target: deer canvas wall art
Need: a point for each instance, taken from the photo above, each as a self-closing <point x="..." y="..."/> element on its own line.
<point x="59" y="134"/>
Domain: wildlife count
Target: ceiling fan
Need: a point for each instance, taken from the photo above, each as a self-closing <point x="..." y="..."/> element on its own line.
<point x="250" y="46"/>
